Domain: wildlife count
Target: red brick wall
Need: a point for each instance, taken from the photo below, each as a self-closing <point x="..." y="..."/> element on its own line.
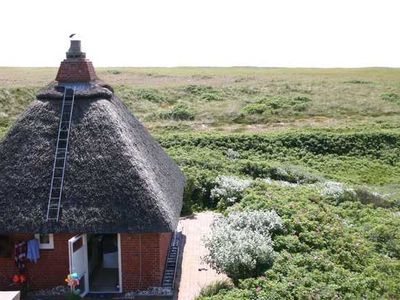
<point x="76" y="71"/>
<point x="49" y="271"/>
<point x="143" y="259"/>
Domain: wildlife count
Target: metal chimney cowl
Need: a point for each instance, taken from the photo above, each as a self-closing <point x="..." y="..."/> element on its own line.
<point x="74" y="50"/>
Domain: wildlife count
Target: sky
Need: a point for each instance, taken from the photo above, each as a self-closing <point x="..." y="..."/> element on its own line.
<point x="168" y="33"/>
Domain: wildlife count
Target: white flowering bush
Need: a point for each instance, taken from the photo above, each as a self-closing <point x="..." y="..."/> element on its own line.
<point x="232" y="154"/>
<point x="240" y="244"/>
<point x="337" y="191"/>
<point x="263" y="222"/>
<point x="333" y="189"/>
<point x="228" y="190"/>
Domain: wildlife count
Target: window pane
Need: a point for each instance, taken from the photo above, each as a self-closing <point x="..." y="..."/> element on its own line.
<point x="44" y="239"/>
<point x="77" y="245"/>
<point x="5" y="246"/>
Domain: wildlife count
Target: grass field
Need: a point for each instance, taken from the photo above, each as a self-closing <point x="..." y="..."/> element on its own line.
<point x="319" y="146"/>
<point x="236" y="99"/>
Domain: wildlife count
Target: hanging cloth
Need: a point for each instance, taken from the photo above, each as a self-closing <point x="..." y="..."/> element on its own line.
<point x="20" y="250"/>
<point x="33" y="250"/>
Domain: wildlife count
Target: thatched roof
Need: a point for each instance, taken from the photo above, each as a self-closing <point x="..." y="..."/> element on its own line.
<point x="118" y="178"/>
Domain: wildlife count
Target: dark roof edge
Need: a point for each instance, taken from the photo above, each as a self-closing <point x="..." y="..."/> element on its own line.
<point x="57" y="229"/>
<point x="97" y="90"/>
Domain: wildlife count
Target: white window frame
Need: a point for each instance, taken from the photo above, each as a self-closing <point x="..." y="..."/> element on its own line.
<point x="49" y="245"/>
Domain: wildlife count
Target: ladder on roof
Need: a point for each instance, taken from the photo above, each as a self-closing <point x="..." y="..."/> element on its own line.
<point x="60" y="157"/>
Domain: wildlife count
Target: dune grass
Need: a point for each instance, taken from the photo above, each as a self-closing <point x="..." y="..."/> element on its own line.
<point x="220" y="99"/>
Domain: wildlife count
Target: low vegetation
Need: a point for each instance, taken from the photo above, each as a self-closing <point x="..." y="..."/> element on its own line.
<point x="215" y="288"/>
<point x="361" y="159"/>
<point x="391" y="97"/>
<point x="332" y="246"/>
<point x="320" y="148"/>
<point x="179" y="112"/>
<point x="281" y="106"/>
<point x="233" y="99"/>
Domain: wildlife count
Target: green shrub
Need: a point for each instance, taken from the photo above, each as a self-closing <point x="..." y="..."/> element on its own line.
<point x="234" y="294"/>
<point x="198" y="89"/>
<point x="179" y="112"/>
<point x="355" y="81"/>
<point x="378" y="145"/>
<point x="392" y="97"/>
<point x="289" y="173"/>
<point x="215" y="288"/>
<point x="199" y="183"/>
<point x="210" y="97"/>
<point x="279" y="104"/>
<point x="367" y="197"/>
<point x="249" y="90"/>
<point x="151" y="95"/>
<point x="202" y="92"/>
<point x="303" y="158"/>
<point x="255" y="108"/>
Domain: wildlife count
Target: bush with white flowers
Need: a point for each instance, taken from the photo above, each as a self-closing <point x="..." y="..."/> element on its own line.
<point x="337" y="191"/>
<point x="240" y="244"/>
<point x="232" y="154"/>
<point x="228" y="190"/>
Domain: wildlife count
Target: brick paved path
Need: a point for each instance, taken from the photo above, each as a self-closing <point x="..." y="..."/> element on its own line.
<point x="190" y="279"/>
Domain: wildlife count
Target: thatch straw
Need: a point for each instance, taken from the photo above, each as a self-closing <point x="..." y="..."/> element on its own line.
<point x="118" y="178"/>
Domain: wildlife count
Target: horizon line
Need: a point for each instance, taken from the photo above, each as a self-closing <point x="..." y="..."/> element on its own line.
<point x="221" y="67"/>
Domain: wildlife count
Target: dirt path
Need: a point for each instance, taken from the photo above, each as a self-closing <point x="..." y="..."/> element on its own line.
<point x="190" y="279"/>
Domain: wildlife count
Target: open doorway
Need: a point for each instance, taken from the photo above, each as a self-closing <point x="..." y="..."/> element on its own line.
<point x="103" y="263"/>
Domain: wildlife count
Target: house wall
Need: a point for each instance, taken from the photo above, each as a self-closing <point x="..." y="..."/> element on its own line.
<point x="143" y="259"/>
<point x="51" y="269"/>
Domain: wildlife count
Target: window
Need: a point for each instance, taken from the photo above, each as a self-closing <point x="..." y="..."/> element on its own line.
<point x="46" y="241"/>
<point x="5" y="246"/>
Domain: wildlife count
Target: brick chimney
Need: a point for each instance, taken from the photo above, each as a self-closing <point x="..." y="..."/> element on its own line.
<point x="76" y="68"/>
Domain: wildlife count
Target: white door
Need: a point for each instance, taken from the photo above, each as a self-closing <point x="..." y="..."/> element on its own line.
<point x="78" y="261"/>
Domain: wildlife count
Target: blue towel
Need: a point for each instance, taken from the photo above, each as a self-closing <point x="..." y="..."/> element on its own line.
<point x="33" y="250"/>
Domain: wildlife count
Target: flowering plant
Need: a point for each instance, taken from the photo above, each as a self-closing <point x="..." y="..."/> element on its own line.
<point x="240" y="244"/>
<point x="228" y="190"/>
<point x="73" y="282"/>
